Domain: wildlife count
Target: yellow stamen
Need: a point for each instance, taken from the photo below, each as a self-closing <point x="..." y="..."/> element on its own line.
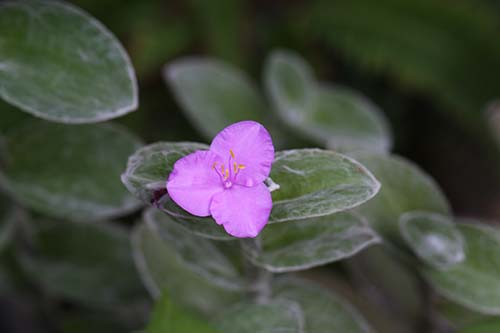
<point x="241" y="167"/>
<point x="222" y="168"/>
<point x="231" y="152"/>
<point x="235" y="166"/>
<point x="214" y="165"/>
<point x="227" y="174"/>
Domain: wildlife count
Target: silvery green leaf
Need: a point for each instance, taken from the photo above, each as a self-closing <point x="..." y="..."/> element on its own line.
<point x="87" y="263"/>
<point x="324" y="312"/>
<point x="70" y="172"/>
<point x="215" y="94"/>
<point x="148" y="168"/>
<point x="315" y="182"/>
<point x="276" y="316"/>
<point x="169" y="317"/>
<point x="59" y="63"/>
<point x="433" y="237"/>
<point x="161" y="269"/>
<point x="312" y="182"/>
<point x="474" y="282"/>
<point x="405" y="188"/>
<point x="303" y="244"/>
<point x="200" y="255"/>
<point x="330" y="115"/>
<point x="146" y="175"/>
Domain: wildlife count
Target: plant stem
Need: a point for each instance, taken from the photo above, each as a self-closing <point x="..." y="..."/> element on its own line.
<point x="261" y="279"/>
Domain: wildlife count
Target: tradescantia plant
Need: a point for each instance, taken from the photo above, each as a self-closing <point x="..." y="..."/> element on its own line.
<point x="229" y="233"/>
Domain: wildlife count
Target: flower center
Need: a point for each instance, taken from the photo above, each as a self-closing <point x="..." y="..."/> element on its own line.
<point x="228" y="173"/>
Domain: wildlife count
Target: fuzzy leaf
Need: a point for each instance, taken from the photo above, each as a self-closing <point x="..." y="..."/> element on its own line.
<point x="405" y="188"/>
<point x="433" y="237"/>
<point x="215" y="95"/>
<point x="198" y="254"/>
<point x="59" y="63"/>
<point x="333" y="116"/>
<point x="69" y="172"/>
<point x="315" y="182"/>
<point x="324" y="312"/>
<point x="304" y="244"/>
<point x="475" y="282"/>
<point x="161" y="268"/>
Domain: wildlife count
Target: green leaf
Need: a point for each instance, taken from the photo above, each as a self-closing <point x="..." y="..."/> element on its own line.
<point x="333" y="116"/>
<point x="146" y="174"/>
<point x="88" y="263"/>
<point x="315" y="182"/>
<point x="475" y="282"/>
<point x="198" y="254"/>
<point x="59" y="63"/>
<point x="215" y="94"/>
<point x="484" y="326"/>
<point x="69" y="172"/>
<point x="304" y="244"/>
<point x="405" y="188"/>
<point x="433" y="237"/>
<point x="167" y="317"/>
<point x="324" y="312"/>
<point x="161" y="268"/>
<point x="148" y="168"/>
<point x="277" y="316"/>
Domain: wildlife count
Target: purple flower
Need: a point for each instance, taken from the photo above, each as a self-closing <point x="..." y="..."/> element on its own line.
<point x="227" y="181"/>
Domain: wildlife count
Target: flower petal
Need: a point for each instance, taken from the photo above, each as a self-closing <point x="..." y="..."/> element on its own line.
<point x="252" y="147"/>
<point x="243" y="211"/>
<point x="193" y="182"/>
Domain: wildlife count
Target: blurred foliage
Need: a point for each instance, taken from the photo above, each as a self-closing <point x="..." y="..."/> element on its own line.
<point x="430" y="67"/>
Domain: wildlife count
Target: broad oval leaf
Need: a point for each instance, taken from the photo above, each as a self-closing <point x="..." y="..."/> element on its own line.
<point x="161" y="269"/>
<point x="146" y="175"/>
<point x="315" y="182"/>
<point x="69" y="172"/>
<point x="324" y="312"/>
<point x="277" y="316"/>
<point x="475" y="282"/>
<point x="333" y="116"/>
<point x="148" y="168"/>
<point x="433" y="237"/>
<point x="405" y="188"/>
<point x="312" y="182"/>
<point x="200" y="255"/>
<point x="303" y="244"/>
<point x="214" y="95"/>
<point x="59" y="63"/>
<point x="87" y="263"/>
